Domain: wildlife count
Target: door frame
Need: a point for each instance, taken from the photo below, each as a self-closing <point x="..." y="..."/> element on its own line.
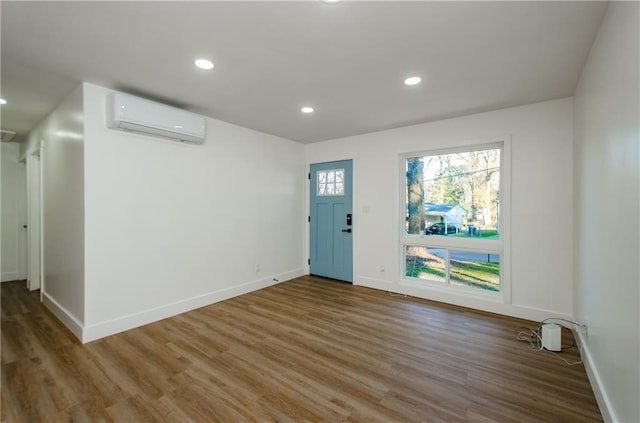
<point x="34" y="219"/>
<point x="356" y="215"/>
<point x="23" y="240"/>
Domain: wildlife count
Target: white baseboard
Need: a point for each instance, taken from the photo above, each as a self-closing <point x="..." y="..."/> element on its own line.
<point x="70" y="321"/>
<point x="470" y="301"/>
<point x="121" y="324"/>
<point x="9" y="276"/>
<point x="594" y="378"/>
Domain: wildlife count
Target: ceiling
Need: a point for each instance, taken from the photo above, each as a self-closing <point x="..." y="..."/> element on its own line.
<point x="348" y="60"/>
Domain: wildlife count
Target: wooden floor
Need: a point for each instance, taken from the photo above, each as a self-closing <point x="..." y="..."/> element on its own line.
<point x="308" y="350"/>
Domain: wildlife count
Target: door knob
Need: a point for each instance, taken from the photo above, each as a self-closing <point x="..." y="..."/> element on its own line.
<point x="347" y="230"/>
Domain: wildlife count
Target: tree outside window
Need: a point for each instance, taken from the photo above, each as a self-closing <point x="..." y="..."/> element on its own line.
<point x="452" y="227"/>
<point x="469" y="179"/>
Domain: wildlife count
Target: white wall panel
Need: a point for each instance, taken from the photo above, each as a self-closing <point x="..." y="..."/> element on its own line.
<point x="12" y="189"/>
<point x="607" y="232"/>
<point x="541" y="206"/>
<point x="173" y="226"/>
<point x="62" y="164"/>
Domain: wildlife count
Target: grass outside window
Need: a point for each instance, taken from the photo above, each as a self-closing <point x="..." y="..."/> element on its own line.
<point x="461" y="268"/>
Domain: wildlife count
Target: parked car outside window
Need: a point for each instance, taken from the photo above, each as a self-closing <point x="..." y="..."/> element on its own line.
<point x="438" y="229"/>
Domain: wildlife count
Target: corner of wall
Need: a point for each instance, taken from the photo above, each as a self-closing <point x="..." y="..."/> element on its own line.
<point x="602" y="398"/>
<point x="61" y="135"/>
<point x="606" y="165"/>
<point x="73" y="324"/>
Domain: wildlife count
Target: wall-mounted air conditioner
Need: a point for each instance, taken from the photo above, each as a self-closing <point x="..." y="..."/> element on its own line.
<point x="135" y="114"/>
<point x="6" y="136"/>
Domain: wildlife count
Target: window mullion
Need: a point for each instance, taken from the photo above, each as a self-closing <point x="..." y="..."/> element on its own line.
<point x="452" y="205"/>
<point x="448" y="267"/>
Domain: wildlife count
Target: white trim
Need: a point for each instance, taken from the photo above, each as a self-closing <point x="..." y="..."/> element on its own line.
<point x="23" y="232"/>
<point x="41" y="223"/>
<point x="501" y="246"/>
<point x="460" y="299"/>
<point x="307" y="224"/>
<point x="505" y="219"/>
<point x="73" y="324"/>
<point x="356" y="217"/>
<point x="18" y="223"/>
<point x="606" y="409"/>
<point x="450" y="289"/>
<point x="121" y="324"/>
<point x="34" y="220"/>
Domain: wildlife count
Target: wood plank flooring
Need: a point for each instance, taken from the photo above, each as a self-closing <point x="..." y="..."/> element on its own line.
<point x="307" y="350"/>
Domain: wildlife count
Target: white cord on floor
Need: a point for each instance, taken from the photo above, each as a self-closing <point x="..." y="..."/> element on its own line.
<point x="535" y="340"/>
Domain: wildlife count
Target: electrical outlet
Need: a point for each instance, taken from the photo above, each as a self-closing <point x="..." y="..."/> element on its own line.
<point x="257" y="268"/>
<point x="381" y="268"/>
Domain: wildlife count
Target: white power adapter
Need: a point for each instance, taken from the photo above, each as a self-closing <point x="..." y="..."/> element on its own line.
<point x="552" y="337"/>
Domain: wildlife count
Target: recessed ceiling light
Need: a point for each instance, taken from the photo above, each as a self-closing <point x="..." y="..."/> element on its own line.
<point x="413" y="80"/>
<point x="204" y="64"/>
<point x="307" y="109"/>
<point x="3" y="101"/>
<point x="331" y="1"/>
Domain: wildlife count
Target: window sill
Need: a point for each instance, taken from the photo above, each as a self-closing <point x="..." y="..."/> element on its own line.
<point x="460" y="291"/>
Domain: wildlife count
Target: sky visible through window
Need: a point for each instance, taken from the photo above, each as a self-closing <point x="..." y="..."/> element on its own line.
<point x="469" y="180"/>
<point x="454" y="195"/>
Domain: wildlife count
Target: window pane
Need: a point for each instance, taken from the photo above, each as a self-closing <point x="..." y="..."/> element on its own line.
<point x="478" y="270"/>
<point x="330" y="182"/>
<point x="455" y="194"/>
<point x="425" y="263"/>
<point x="415" y="223"/>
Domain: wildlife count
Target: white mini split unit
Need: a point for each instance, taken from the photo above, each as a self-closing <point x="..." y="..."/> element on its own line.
<point x="129" y="113"/>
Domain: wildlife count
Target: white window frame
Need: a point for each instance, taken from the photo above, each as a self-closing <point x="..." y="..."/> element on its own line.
<point x="499" y="246"/>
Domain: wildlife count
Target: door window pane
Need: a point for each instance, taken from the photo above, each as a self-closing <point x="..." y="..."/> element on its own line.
<point x="330" y="182"/>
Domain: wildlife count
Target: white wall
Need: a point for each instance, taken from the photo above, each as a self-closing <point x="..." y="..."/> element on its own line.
<point x="13" y="187"/>
<point x="172" y="226"/>
<point x="541" y="206"/>
<point x="607" y="254"/>
<point x="61" y="134"/>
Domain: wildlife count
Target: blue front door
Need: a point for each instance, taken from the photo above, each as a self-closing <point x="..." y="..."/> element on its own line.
<point x="331" y="223"/>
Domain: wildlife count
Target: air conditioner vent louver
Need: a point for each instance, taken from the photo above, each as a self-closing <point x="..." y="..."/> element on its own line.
<point x="129" y="113"/>
<point x="6" y="136"/>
